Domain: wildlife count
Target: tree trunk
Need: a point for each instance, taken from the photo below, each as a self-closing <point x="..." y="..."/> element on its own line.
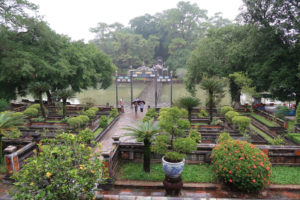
<point x="49" y="98"/>
<point x="210" y="106"/>
<point x="42" y="105"/>
<point x="1" y="153"/>
<point x="147" y="155"/>
<point x="190" y="115"/>
<point x="64" y="107"/>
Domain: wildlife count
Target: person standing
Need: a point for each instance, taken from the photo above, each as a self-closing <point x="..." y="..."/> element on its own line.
<point x="136" y="106"/>
<point x="142" y="106"/>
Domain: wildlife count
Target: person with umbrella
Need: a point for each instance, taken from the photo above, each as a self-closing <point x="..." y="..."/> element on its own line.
<point x="142" y="106"/>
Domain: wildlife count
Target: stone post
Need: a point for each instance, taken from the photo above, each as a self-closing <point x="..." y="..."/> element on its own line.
<point x="11" y="160"/>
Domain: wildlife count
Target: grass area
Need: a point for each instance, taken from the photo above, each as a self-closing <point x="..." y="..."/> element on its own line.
<point x="180" y="91"/>
<point x="291" y="126"/>
<point x="192" y="173"/>
<point x="285" y="175"/>
<point x="266" y="136"/>
<point x="294" y="136"/>
<point x="202" y="173"/>
<point x="264" y="120"/>
<point x="198" y="124"/>
<point x="101" y="97"/>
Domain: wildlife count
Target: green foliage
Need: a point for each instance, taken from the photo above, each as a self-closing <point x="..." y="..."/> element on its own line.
<point x="151" y="112"/>
<point x="38" y="119"/>
<point x="185" y="145"/>
<point x="243" y="82"/>
<point x="143" y="130"/>
<point x="188" y="103"/>
<point x="264" y="120"/>
<point x="79" y="121"/>
<point x="160" y="144"/>
<point x="173" y="156"/>
<point x="294" y="136"/>
<point x="103" y="121"/>
<point x="284" y="175"/>
<point x="298" y="115"/>
<point x="86" y="135"/>
<point x="195" y="135"/>
<point x="241" y="165"/>
<point x="225" y="109"/>
<point x="4" y="105"/>
<point x="230" y="115"/>
<point x="277" y="141"/>
<point x="282" y="111"/>
<point x="203" y="113"/>
<point x="242" y="122"/>
<point x="146" y="119"/>
<point x="36" y="106"/>
<point x="224" y="136"/>
<point x="91" y="112"/>
<point x="114" y="113"/>
<point x="67" y="170"/>
<point x="12" y="134"/>
<point x="216" y="122"/>
<point x="31" y="112"/>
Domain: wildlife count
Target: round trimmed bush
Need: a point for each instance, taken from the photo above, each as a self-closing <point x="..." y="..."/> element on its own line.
<point x="241" y="165"/>
<point x="31" y="112"/>
<point x="36" y="106"/>
<point x="229" y="115"/>
<point x="242" y="122"/>
<point x="195" y="135"/>
<point x="103" y="121"/>
<point x="151" y="112"/>
<point x="114" y="113"/>
<point x="224" y="136"/>
<point x="225" y="109"/>
<point x="202" y="114"/>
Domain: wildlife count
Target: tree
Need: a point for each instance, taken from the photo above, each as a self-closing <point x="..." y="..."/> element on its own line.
<point x="37" y="89"/>
<point x="64" y="95"/>
<point x="9" y="121"/>
<point x="144" y="132"/>
<point x="66" y="168"/>
<point x="188" y="103"/>
<point x="215" y="90"/>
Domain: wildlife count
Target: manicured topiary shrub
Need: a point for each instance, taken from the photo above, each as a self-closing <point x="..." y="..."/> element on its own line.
<point x="229" y="115"/>
<point x="36" y="106"/>
<point x="298" y="114"/>
<point x="151" y="113"/>
<point x="103" y="121"/>
<point x="79" y="121"/>
<point x="146" y="119"/>
<point x="3" y="105"/>
<point x="225" y="109"/>
<point x="224" y="136"/>
<point x="202" y="114"/>
<point x="114" y="113"/>
<point x="241" y="165"/>
<point x="91" y="112"/>
<point x="195" y="135"/>
<point x="31" y="112"/>
<point x="242" y="122"/>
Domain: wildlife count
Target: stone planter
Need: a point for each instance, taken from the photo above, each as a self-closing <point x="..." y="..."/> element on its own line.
<point x="172" y="170"/>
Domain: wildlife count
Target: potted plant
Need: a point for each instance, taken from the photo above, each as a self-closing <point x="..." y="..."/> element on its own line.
<point x="172" y="142"/>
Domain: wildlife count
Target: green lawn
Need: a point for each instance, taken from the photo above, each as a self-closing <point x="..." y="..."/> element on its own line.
<point x="202" y="173"/>
<point x="294" y="136"/>
<point x="101" y="97"/>
<point x="291" y="125"/>
<point x="180" y="91"/>
<point x="192" y="173"/>
<point x="285" y="175"/>
<point x="264" y="120"/>
<point x="267" y="137"/>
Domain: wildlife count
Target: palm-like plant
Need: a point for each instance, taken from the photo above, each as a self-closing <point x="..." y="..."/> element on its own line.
<point x="188" y="103"/>
<point x="64" y="95"/>
<point x="144" y="132"/>
<point x="8" y="122"/>
<point x="37" y="89"/>
<point x="215" y="89"/>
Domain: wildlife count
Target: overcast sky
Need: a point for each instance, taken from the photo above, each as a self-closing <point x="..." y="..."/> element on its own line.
<point x="75" y="17"/>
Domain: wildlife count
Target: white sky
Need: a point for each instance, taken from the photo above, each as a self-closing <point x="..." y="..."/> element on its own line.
<point x="75" y="17"/>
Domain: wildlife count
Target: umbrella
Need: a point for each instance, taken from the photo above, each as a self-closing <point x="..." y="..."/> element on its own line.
<point x="138" y="101"/>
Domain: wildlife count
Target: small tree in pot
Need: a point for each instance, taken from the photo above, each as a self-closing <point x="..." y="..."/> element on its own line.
<point x="171" y="143"/>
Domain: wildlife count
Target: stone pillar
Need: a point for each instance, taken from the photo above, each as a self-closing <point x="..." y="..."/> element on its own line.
<point x="11" y="161"/>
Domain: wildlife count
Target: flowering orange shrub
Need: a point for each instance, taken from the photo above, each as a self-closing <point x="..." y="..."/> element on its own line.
<point x="242" y="165"/>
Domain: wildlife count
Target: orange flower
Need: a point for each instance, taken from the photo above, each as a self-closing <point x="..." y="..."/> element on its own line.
<point x="267" y="168"/>
<point x="230" y="172"/>
<point x="254" y="166"/>
<point x="253" y="180"/>
<point x="230" y="180"/>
